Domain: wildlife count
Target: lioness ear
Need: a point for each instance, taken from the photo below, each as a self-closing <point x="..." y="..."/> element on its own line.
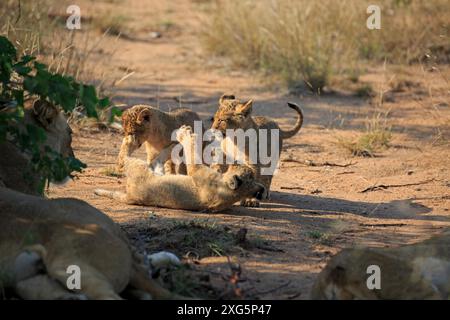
<point x="338" y="275"/>
<point x="44" y="112"/>
<point x="235" y="182"/>
<point x="226" y="97"/>
<point x="245" y="108"/>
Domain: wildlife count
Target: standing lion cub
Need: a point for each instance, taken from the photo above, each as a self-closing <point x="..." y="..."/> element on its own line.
<point x="149" y="125"/>
<point x="233" y="114"/>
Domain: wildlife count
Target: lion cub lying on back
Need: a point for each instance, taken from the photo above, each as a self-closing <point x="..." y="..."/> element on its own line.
<point x="417" y="271"/>
<point x="149" y="125"/>
<point x="203" y="189"/>
<point x="233" y="114"/>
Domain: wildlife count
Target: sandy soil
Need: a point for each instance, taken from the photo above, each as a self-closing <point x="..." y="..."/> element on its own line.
<point x="315" y="211"/>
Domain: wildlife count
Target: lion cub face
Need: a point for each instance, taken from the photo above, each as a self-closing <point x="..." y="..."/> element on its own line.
<point x="139" y="121"/>
<point x="240" y="180"/>
<point x="232" y="114"/>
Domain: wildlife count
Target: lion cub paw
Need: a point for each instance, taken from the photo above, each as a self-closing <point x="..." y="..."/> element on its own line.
<point x="184" y="133"/>
<point x="250" y="202"/>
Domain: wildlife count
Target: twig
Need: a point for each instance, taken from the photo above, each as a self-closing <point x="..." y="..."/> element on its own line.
<point x="382" y="225"/>
<point x="274" y="289"/>
<point x="386" y="186"/>
<point x="234" y="278"/>
<point x="99" y="176"/>
<point x="292" y="188"/>
<point x="311" y="163"/>
<point x="345" y="172"/>
<point x="19" y="7"/>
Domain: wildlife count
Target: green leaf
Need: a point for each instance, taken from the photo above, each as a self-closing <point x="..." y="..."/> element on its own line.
<point x="18" y="95"/>
<point x="114" y="112"/>
<point x="7" y="49"/>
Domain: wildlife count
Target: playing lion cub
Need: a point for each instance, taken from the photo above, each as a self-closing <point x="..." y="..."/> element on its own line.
<point x="417" y="271"/>
<point x="153" y="127"/>
<point x="203" y="189"/>
<point x="232" y="114"/>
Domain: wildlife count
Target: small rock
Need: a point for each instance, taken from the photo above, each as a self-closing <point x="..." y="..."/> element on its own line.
<point x="155" y="35"/>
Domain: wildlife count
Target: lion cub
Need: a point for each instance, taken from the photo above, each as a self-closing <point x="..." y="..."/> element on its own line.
<point x="149" y="125"/>
<point x="417" y="271"/>
<point x="233" y="114"/>
<point x="203" y="189"/>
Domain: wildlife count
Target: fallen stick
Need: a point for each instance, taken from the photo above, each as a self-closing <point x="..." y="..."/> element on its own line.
<point x="386" y="186"/>
<point x="383" y="225"/>
<point x="311" y="163"/>
<point x="292" y="188"/>
<point x="273" y="289"/>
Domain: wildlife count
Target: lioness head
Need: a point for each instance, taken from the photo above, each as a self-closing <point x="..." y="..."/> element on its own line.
<point x="351" y="274"/>
<point x="232" y="114"/>
<point x="54" y="122"/>
<point x="343" y="278"/>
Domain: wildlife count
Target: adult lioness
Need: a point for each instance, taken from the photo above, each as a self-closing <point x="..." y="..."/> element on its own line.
<point x="417" y="271"/>
<point x="153" y="127"/>
<point x="15" y="170"/>
<point x="203" y="189"/>
<point x="40" y="238"/>
<point x="232" y="114"/>
<point x="60" y="234"/>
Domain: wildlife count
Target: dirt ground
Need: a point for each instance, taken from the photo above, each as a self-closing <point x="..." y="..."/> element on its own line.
<point x="314" y="211"/>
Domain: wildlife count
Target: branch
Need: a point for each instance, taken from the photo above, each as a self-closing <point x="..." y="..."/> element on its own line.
<point x="386" y="186"/>
<point x="311" y="163"/>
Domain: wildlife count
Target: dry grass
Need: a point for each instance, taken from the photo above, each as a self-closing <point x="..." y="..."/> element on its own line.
<point x="111" y="171"/>
<point x="310" y="41"/>
<point x="376" y="137"/>
<point x="113" y="24"/>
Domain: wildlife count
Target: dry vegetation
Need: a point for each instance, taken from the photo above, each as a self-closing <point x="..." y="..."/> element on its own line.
<point x="310" y="41"/>
<point x="35" y="28"/>
<point x="306" y="44"/>
<point x="376" y="137"/>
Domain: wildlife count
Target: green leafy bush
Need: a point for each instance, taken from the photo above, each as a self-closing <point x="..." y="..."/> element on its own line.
<point x="23" y="78"/>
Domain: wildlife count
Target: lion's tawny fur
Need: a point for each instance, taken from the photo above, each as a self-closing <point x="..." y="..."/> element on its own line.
<point x="233" y="114"/>
<point x="66" y="232"/>
<point x="416" y="271"/>
<point x="153" y="127"/>
<point x="203" y="189"/>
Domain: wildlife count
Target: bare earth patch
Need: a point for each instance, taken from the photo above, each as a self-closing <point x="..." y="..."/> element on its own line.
<point x="401" y="195"/>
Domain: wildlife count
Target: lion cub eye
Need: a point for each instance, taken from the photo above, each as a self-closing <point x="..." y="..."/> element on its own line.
<point x="146" y="118"/>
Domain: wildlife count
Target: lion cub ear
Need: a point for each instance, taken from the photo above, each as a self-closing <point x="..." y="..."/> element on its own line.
<point x="44" y="112"/>
<point x="235" y="182"/>
<point x="245" y="108"/>
<point x="144" y="116"/>
<point x="225" y="97"/>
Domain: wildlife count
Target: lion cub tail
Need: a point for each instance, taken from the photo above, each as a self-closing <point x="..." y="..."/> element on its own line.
<point x="285" y="134"/>
<point x="117" y="195"/>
